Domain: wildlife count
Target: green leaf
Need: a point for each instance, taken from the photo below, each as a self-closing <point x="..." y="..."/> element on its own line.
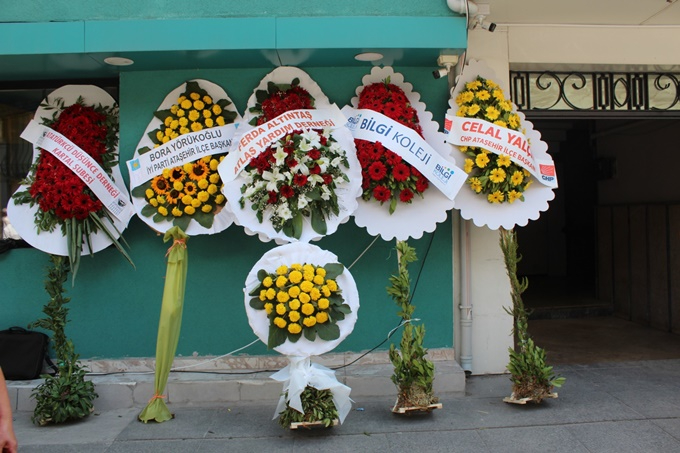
<point x="328" y="331"/>
<point x="162" y="115"/>
<point x="276" y="337"/>
<point x="140" y="191"/>
<point x="194" y="87"/>
<point x="148" y="211"/>
<point x="310" y="333"/>
<point x="293" y="338"/>
<point x="344" y="308"/>
<point x="319" y="221"/>
<point x="205" y="219"/>
<point x="182" y="222"/>
<point x="256" y="303"/>
<point x="333" y="270"/>
<point x="296" y="222"/>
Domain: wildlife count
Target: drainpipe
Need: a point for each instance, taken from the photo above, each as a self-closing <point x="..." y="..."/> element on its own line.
<point x="465" y="304"/>
<point x="464" y="268"/>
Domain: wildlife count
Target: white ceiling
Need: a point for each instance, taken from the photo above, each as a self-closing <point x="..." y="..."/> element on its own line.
<point x="584" y="12"/>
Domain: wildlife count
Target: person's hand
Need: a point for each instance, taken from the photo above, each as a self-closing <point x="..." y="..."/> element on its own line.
<point x="8" y="442"/>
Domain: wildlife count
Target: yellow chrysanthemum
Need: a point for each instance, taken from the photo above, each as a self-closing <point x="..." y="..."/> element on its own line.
<point x="159" y="135"/>
<point x="505" y="105"/>
<point x="294" y="304"/>
<point x="160" y="199"/>
<point x="497" y="175"/>
<point x="462" y="111"/>
<point x="318" y="279"/>
<point x="183" y="121"/>
<point x="332" y="285"/>
<point x="473" y="110"/>
<point x="181" y="113"/>
<point x="481" y="160"/>
<point x="517" y="178"/>
<point x="166" y="139"/>
<point x="500" y="123"/>
<point x="174" y="107"/>
<point x="203" y="184"/>
<point x="323" y="303"/>
<point x="220" y="199"/>
<point x="296" y="266"/>
<point x="162" y="210"/>
<point x="306" y="286"/>
<point x="186" y="104"/>
<point x="196" y="203"/>
<point x="321" y="317"/>
<point x="294" y="328"/>
<point x="295" y="277"/>
<point x="280" y="322"/>
<point x="475" y="184"/>
<point x="263" y="294"/>
<point x="468" y="165"/>
<point x="167" y="121"/>
<point x="315" y="294"/>
<point x="209" y="122"/>
<point x="513" y="121"/>
<point x="308" y="275"/>
<point x="483" y="95"/>
<point x="514" y="195"/>
<point x="268" y="308"/>
<point x="304" y="298"/>
<point x="220" y="121"/>
<point x="294" y="291"/>
<point x="177" y="212"/>
<point x="282" y="296"/>
<point x="282" y="270"/>
<point x="294" y="316"/>
<point x="503" y="160"/>
<point x="206" y="208"/>
<point x="203" y="196"/>
<point x="475" y="84"/>
<point x="184" y="130"/>
<point x="281" y="281"/>
<point x="267" y="282"/>
<point x="213" y="164"/>
<point x="196" y="126"/>
<point x="187" y="199"/>
<point x="189" y="210"/>
<point x="216" y="109"/>
<point x="281" y="309"/>
<point x="194" y="96"/>
<point x="307" y="309"/>
<point x="308" y="268"/>
<point x="199" y="105"/>
<point x="492" y="113"/>
<point x="153" y="202"/>
<point x="271" y="294"/>
<point x="207" y="100"/>
<point x="212" y="189"/>
<point x="206" y="113"/>
<point x="325" y="290"/>
<point x="496" y="197"/>
<point x="309" y="321"/>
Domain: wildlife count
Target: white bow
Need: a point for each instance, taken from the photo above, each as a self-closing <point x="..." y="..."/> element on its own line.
<point x="299" y="374"/>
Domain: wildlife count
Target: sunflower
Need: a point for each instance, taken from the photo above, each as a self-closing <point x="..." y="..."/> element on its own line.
<point x="160" y="185"/>
<point x="199" y="170"/>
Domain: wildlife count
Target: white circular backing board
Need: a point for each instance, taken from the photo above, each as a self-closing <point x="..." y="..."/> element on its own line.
<point x="223" y="219"/>
<point x="300" y="252"/>
<point x="347" y="193"/>
<point x="409" y="220"/>
<point x="475" y="206"/>
<point x="22" y="216"/>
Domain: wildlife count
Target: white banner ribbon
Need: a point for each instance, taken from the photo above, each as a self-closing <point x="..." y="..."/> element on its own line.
<point x="178" y="151"/>
<point x="83" y="165"/>
<point x="366" y="124"/>
<point x="251" y="142"/>
<point x="500" y="140"/>
<point x="301" y="373"/>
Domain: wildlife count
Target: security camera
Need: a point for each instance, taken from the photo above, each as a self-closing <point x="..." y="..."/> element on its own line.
<point x="441" y="72"/>
<point x="479" y="22"/>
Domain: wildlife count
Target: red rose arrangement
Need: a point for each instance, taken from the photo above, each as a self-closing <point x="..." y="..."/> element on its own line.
<point x="280" y="98"/>
<point x="386" y="176"/>
<point x="63" y="198"/>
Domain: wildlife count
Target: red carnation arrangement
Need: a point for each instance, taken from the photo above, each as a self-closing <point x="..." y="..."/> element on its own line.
<point x="63" y="198"/>
<point x="280" y="98"/>
<point x="386" y="176"/>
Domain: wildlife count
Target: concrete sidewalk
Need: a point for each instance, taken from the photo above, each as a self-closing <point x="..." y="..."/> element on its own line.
<point x="610" y="407"/>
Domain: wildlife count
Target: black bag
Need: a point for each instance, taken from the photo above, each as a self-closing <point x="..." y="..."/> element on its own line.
<point x="22" y="353"/>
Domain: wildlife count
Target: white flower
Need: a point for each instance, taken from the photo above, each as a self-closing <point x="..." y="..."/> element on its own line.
<point x="326" y="132"/>
<point x="323" y="164"/>
<point x="311" y="137"/>
<point x="314" y="180"/>
<point x="280" y="155"/>
<point x="250" y="191"/>
<point x="335" y="163"/>
<point x="335" y="147"/>
<point x="302" y="202"/>
<point x="284" y="212"/>
<point x="325" y="193"/>
<point x="272" y="177"/>
<point x="301" y="168"/>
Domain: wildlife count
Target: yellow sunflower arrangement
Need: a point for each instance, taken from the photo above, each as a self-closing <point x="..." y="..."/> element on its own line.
<point x="194" y="190"/>
<point x="303" y="299"/>
<point x="493" y="175"/>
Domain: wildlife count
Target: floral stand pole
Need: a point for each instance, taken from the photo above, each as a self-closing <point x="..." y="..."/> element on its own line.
<point x="170" y="323"/>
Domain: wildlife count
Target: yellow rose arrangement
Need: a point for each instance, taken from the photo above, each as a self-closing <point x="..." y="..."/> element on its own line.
<point x="301" y="299"/>
<point x="493" y="175"/>
<point x="193" y="190"/>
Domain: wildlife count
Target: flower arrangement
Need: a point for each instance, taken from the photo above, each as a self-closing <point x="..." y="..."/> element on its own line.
<point x="63" y="198"/>
<point x="191" y="191"/>
<point x="386" y="176"/>
<point x="490" y="174"/>
<point x="301" y="299"/>
<point x="279" y="98"/>
<point x="296" y="177"/>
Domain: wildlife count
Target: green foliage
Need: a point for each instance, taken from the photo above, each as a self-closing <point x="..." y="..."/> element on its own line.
<point x="67" y="395"/>
<point x="530" y="375"/>
<point x="413" y="373"/>
<point x="318" y="406"/>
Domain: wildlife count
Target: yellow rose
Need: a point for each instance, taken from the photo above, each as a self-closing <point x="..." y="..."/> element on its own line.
<point x="177" y="212"/>
<point x="213" y="164"/>
<point x="215" y="177"/>
<point x="203" y="196"/>
<point x="220" y="199"/>
<point x="187" y="199"/>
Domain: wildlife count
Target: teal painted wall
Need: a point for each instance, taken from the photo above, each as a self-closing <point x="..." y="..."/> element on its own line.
<point x="70" y="10"/>
<point x="114" y="308"/>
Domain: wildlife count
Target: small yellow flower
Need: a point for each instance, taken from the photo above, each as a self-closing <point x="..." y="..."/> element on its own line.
<point x="216" y="109"/>
<point x="281" y="281"/>
<point x="268" y="308"/>
<point x="294" y="328"/>
<point x="209" y="122"/>
<point x="194" y="96"/>
<point x="263" y="294"/>
<point x="306" y="286"/>
<point x="162" y="210"/>
<point x="203" y="196"/>
<point x="294" y="304"/>
<point x="189" y="210"/>
<point x="500" y="123"/>
<point x="517" y="178"/>
<point x="196" y="126"/>
<point x="323" y="303"/>
<point x="206" y="208"/>
<point x="304" y="298"/>
<point x="492" y="113"/>
<point x="475" y="184"/>
<point x="184" y="130"/>
<point x="271" y="294"/>
<point x="220" y="121"/>
<point x="177" y="212"/>
<point x="332" y="285"/>
<point x="149" y="193"/>
<point x="280" y="322"/>
<point x="325" y="290"/>
<point x="315" y="294"/>
<point x="295" y="277"/>
<point x="267" y="282"/>
<point x="307" y="309"/>
<point x="321" y="317"/>
<point x="183" y="121"/>
<point x="207" y="100"/>
<point x="167" y="121"/>
<point x="468" y="165"/>
<point x="186" y="104"/>
<point x="206" y="113"/>
<point x="212" y="188"/>
<point x="497" y="175"/>
<point x="294" y="291"/>
<point x="481" y="160"/>
<point x="187" y="199"/>
<point x="308" y="276"/>
<point x="282" y="270"/>
<point x="153" y="202"/>
<point x="318" y="279"/>
<point x="281" y="309"/>
<point x="166" y="139"/>
<point x="497" y="197"/>
<point x="514" y="195"/>
<point x="159" y="135"/>
<point x="180" y="113"/>
<point x="462" y="111"/>
<point x="174" y="108"/>
<point x="294" y="316"/>
<point x="310" y="321"/>
<point x="199" y="105"/>
<point x="282" y="296"/>
<point x="178" y="185"/>
<point x="321" y="271"/>
<point x="213" y="164"/>
<point x="220" y="199"/>
<point x="475" y="84"/>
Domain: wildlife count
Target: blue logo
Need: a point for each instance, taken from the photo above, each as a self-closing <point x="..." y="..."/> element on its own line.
<point x="442" y="173"/>
<point x="353" y="122"/>
<point x="134" y="165"/>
